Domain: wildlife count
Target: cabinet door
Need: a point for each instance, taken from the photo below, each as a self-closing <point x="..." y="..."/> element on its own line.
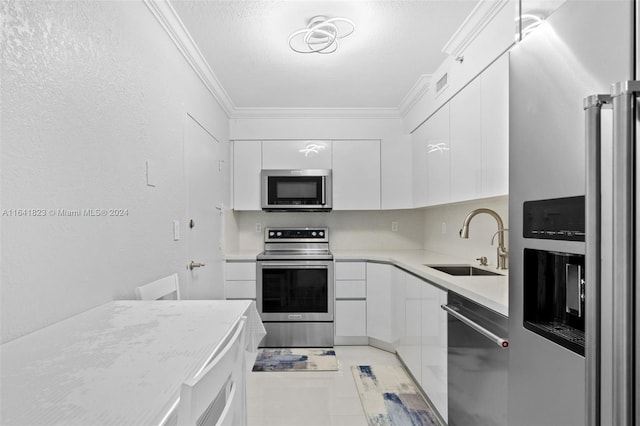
<point x="356" y="175"/>
<point x="378" y="301"/>
<point x="396" y="178"/>
<point x="409" y="349"/>
<point x="398" y="325"/>
<point x="351" y="318"/>
<point x="419" y="165"/>
<point x="495" y="128"/>
<point x="466" y="150"/>
<point x="296" y="154"/>
<point x="433" y="342"/>
<point x="438" y="157"/>
<point x="247" y="163"/>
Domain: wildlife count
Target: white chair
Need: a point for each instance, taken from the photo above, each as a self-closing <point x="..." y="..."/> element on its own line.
<point x="216" y="395"/>
<point x="159" y="288"/>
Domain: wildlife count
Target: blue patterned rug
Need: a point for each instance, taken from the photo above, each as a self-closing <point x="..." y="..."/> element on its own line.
<point x="389" y="397"/>
<point x="296" y="359"/>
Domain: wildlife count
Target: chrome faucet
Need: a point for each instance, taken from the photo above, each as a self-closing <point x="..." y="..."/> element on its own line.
<point x="502" y="253"/>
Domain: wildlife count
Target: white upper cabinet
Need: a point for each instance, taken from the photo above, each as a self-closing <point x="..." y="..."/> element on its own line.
<point x="462" y="151"/>
<point x="247" y="163"/>
<point x="419" y="166"/>
<point x="431" y="160"/>
<point x="296" y="154"/>
<point x="466" y="140"/>
<point x="356" y="175"/>
<point x="495" y="128"/>
<point x="438" y="157"/>
<point x="396" y="177"/>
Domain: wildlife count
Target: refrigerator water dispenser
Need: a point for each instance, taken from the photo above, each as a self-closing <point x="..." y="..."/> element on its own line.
<point x="554" y="297"/>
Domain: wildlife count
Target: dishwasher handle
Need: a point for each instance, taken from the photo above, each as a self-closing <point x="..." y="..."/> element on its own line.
<point x="503" y="343"/>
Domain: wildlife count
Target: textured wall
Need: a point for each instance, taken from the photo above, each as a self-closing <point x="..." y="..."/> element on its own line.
<point x="90" y="91"/>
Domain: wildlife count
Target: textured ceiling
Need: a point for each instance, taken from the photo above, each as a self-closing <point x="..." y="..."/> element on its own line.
<point x="395" y="42"/>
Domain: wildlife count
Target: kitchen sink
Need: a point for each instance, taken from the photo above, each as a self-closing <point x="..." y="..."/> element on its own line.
<point x="462" y="270"/>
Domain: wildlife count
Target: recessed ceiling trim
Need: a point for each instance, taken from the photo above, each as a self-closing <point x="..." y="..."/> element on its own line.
<point x="172" y="24"/>
<point x="245" y="112"/>
<point x="479" y="17"/>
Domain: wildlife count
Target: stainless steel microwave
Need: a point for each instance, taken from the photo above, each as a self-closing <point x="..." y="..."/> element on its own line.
<point x="296" y="190"/>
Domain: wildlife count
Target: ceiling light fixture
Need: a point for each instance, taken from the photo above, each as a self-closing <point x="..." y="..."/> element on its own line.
<point x="321" y="35"/>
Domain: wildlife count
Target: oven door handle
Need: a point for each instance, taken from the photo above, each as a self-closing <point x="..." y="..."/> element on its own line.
<point x="292" y="265"/>
<point x="503" y="343"/>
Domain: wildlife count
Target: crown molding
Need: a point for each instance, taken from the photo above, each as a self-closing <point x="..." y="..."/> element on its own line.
<point x="479" y="17"/>
<point x="351" y="113"/>
<point x="417" y="91"/>
<point x="172" y="24"/>
<point x="166" y="15"/>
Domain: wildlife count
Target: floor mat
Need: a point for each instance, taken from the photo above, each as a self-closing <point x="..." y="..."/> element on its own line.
<point x="296" y="359"/>
<point x="389" y="397"/>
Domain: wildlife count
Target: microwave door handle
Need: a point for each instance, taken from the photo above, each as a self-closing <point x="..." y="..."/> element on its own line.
<point x="593" y="120"/>
<point x="324" y="190"/>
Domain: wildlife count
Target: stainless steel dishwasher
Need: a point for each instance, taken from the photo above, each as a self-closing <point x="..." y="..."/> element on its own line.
<point x="477" y="363"/>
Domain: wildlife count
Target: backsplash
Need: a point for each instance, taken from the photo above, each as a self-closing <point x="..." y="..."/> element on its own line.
<point x="442" y="225"/>
<point x="370" y="230"/>
<point x="432" y="228"/>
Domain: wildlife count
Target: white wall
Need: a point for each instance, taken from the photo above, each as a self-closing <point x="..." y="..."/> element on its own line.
<point x="90" y="91"/>
<point x="481" y="229"/>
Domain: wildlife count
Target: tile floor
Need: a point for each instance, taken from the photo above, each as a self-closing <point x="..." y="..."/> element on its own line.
<point x="312" y="398"/>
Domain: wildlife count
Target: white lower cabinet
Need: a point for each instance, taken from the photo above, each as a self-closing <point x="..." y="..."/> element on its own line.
<point x="379" y="302"/>
<point x="409" y="349"/>
<point x="351" y="304"/>
<point x="422" y="344"/>
<point x="350" y="318"/>
<point x="433" y="346"/>
<point x="240" y="280"/>
<point x="397" y="311"/>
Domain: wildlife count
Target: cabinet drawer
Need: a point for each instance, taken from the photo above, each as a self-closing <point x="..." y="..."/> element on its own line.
<point x="351" y="289"/>
<point x="240" y="271"/>
<point x="351" y="270"/>
<point x="240" y="289"/>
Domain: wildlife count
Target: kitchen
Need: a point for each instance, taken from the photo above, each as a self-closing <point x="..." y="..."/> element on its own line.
<point x="70" y="73"/>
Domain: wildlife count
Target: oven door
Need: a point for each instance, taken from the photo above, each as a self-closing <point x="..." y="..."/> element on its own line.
<point x="300" y="290"/>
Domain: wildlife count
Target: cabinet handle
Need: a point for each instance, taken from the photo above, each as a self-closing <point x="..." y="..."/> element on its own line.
<point x="503" y="343"/>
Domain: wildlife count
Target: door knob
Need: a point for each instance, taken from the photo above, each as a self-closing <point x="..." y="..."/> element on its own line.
<point x="193" y="264"/>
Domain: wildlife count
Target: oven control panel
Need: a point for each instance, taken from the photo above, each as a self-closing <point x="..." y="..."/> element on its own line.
<point x="296" y="234"/>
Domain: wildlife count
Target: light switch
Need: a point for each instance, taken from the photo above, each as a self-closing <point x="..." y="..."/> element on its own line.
<point x="394" y="226"/>
<point x="151" y="174"/>
<point x="176" y="230"/>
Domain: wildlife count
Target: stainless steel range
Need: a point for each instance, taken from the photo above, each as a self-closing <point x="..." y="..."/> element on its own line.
<point x="295" y="294"/>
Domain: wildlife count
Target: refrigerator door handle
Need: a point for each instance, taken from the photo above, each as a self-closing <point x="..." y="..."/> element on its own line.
<point x="593" y="120"/>
<point x="625" y="107"/>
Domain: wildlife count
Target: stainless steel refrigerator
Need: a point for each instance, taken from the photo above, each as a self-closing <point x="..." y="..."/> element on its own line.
<point x="574" y="301"/>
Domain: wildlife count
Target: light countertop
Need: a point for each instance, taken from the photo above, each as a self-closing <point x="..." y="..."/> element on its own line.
<point x="489" y="291"/>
